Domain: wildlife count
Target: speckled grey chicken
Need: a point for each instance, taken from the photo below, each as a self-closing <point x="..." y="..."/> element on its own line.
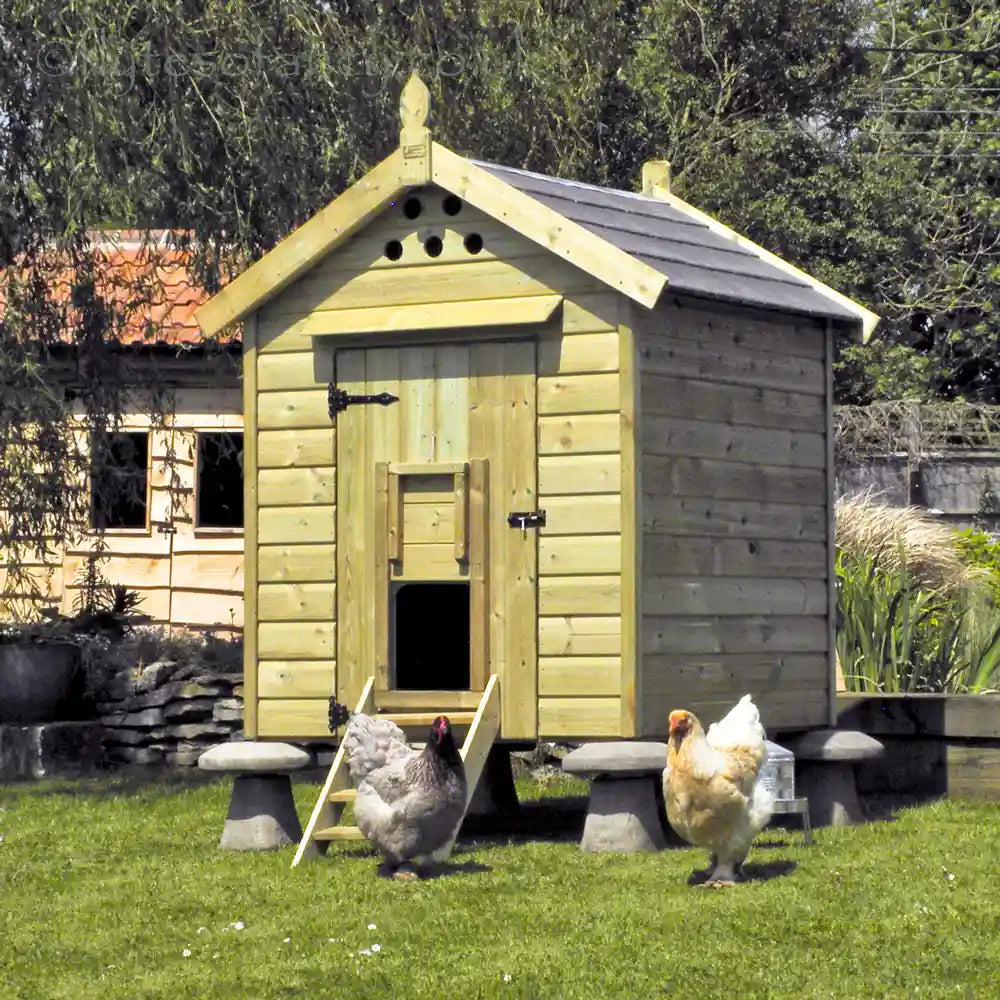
<point x="410" y="802"/>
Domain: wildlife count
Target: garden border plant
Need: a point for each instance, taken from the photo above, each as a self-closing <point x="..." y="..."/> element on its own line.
<point x="916" y="602"/>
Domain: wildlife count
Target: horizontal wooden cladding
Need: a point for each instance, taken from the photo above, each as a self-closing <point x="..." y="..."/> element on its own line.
<point x="121" y="543"/>
<point x="734" y="634"/>
<point x="428" y="522"/>
<point x="427" y="700"/>
<point x="574" y="555"/>
<point x="686" y="676"/>
<point x="429" y="561"/>
<point x="153" y="601"/>
<point x="367" y="249"/>
<point x="296" y="678"/>
<point x="296" y="640"/>
<point x="307" y="369"/>
<point x="581" y="515"/>
<point x="693" y="399"/>
<point x="725" y="596"/>
<point x="208" y="571"/>
<point x="670" y="555"/>
<point x="296" y="448"/>
<point x="579" y="595"/>
<point x="293" y="409"/>
<point x="580" y="635"/>
<point x="563" y="475"/>
<point x="297" y="487"/>
<point x="207" y="608"/>
<point x="577" y="353"/>
<point x="576" y="433"/>
<point x="779" y="709"/>
<point x="710" y="362"/>
<point x="706" y="439"/>
<point x="578" y="676"/>
<point x="709" y="517"/>
<point x="128" y="571"/>
<point x="294" y="718"/>
<point x="205" y="540"/>
<point x="796" y="336"/>
<point x="296" y="563"/>
<point x="332" y="287"/>
<point x="700" y="477"/>
<point x="296" y="524"/>
<point x="586" y="393"/>
<point x="579" y="717"/>
<point x="297" y="602"/>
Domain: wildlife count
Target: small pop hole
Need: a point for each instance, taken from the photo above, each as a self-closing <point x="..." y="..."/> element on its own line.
<point x="412" y="208"/>
<point x="473" y="243"/>
<point x="394" y="249"/>
<point x="433" y="246"/>
<point x="452" y="205"/>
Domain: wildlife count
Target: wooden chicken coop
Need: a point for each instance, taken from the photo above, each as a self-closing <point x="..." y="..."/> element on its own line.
<point x="499" y="423"/>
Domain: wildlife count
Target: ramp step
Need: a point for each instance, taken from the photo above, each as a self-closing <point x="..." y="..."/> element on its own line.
<point x="404" y="719"/>
<point x="343" y="795"/>
<point x="338" y="833"/>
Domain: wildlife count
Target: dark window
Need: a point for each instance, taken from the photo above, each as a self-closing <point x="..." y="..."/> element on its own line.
<point x="119" y="469"/>
<point x="220" y="480"/>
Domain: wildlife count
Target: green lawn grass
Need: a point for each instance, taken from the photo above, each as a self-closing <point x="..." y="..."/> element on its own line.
<point x="106" y="885"/>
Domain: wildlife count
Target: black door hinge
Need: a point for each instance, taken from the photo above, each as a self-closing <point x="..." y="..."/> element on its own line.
<point x="338" y="399"/>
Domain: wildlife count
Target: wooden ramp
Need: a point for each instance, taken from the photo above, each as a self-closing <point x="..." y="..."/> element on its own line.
<point x="324" y="824"/>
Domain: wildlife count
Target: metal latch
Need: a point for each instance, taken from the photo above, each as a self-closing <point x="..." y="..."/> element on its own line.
<point x="526" y="519"/>
<point x="338" y="399"/>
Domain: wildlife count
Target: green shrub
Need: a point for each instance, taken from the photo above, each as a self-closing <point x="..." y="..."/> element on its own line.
<point x="917" y="602"/>
<point x="982" y="551"/>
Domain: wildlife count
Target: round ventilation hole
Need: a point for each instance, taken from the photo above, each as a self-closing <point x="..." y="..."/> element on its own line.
<point x="452" y="205"/>
<point x="473" y="243"/>
<point x="412" y="208"/>
<point x="394" y="249"/>
<point x="433" y="246"/>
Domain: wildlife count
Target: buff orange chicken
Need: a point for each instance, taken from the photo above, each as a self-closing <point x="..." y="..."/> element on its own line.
<point x="712" y="786"/>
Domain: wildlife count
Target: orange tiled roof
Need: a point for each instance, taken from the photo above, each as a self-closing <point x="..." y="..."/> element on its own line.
<point x="123" y="258"/>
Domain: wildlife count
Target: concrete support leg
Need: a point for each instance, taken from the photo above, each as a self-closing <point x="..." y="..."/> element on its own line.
<point x="623" y="815"/>
<point x="261" y="814"/>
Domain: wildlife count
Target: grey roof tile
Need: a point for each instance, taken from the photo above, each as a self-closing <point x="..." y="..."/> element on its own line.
<point x="695" y="259"/>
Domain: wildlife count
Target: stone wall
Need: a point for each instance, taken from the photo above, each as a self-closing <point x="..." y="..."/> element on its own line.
<point x="170" y="713"/>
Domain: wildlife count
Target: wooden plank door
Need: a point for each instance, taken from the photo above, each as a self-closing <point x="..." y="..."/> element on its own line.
<point x="457" y="403"/>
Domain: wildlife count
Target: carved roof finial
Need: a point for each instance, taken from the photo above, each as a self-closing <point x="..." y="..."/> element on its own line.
<point x="414" y="103"/>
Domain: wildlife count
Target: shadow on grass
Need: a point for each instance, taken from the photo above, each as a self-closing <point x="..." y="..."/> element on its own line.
<point x="556" y="819"/>
<point x="447" y="870"/>
<point x="752" y="872"/>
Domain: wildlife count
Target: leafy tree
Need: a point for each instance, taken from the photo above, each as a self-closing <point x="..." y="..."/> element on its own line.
<point x="930" y="131"/>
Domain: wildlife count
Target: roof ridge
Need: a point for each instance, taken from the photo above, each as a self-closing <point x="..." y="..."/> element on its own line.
<point x="648" y="199"/>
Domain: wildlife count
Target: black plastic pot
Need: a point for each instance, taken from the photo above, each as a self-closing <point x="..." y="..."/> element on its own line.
<point x="40" y="682"/>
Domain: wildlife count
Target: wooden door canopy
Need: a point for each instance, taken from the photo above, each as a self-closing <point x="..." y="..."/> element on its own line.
<point x="354" y="327"/>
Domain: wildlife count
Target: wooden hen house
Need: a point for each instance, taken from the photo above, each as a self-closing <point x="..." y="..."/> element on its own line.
<point x="500" y="424"/>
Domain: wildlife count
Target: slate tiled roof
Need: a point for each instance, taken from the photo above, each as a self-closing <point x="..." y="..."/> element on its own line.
<point x="124" y="261"/>
<point x="695" y="259"/>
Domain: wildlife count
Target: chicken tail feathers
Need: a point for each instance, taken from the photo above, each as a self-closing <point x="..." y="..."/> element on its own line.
<point x="761" y="806"/>
<point x="371" y="743"/>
